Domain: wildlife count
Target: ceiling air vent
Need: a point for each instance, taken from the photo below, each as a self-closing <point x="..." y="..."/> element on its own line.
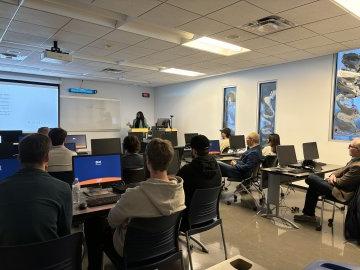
<point x="113" y="70"/>
<point x="268" y="25"/>
<point x="12" y="55"/>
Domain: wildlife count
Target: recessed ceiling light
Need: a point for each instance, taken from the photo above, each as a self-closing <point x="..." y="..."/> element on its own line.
<point x="353" y="6"/>
<point x="183" y="72"/>
<point x="215" y="46"/>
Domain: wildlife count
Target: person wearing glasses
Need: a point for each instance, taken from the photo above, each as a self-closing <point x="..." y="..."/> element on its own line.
<point x="340" y="185"/>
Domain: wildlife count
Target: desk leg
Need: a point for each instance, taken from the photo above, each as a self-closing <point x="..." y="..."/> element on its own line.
<point x="273" y="198"/>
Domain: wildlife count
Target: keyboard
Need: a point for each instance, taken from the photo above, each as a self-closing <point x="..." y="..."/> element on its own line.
<point x="102" y="200"/>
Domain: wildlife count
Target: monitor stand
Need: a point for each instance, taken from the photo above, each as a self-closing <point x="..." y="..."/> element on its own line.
<point x="96" y="191"/>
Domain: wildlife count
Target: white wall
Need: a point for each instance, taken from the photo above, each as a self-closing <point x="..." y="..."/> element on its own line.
<point x="303" y="113"/>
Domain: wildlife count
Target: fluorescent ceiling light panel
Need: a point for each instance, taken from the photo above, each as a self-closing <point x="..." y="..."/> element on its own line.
<point x="181" y="72"/>
<point x="215" y="46"/>
<point x="353" y="6"/>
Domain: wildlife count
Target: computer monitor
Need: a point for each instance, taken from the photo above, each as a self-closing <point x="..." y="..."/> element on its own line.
<point x="172" y="137"/>
<point x="8" y="150"/>
<point x="10" y="136"/>
<point x="310" y="151"/>
<point x="163" y="122"/>
<point x="79" y="140"/>
<point x="174" y="165"/>
<point x="188" y="137"/>
<point x="8" y="167"/>
<point x="106" y="146"/>
<point x="97" y="169"/>
<point x="286" y="155"/>
<point x="214" y="147"/>
<point x="71" y="146"/>
<point x="237" y="142"/>
<point x="139" y="135"/>
<point x="22" y="136"/>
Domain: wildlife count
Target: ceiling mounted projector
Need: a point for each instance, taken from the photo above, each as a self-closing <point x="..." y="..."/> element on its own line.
<point x="56" y="56"/>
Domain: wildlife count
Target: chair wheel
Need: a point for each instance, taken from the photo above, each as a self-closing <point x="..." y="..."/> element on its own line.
<point x="191" y="246"/>
<point x="319" y="228"/>
<point x="226" y="189"/>
<point x="228" y="203"/>
<point x="235" y="198"/>
<point x="342" y="208"/>
<point x="330" y="225"/>
<point x="261" y="201"/>
<point x="205" y="250"/>
<point x="255" y="208"/>
<point x="330" y="220"/>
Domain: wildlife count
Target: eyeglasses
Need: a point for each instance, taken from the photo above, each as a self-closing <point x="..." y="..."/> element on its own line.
<point x="353" y="147"/>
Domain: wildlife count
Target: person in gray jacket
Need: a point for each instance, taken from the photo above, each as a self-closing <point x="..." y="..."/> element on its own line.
<point x="160" y="195"/>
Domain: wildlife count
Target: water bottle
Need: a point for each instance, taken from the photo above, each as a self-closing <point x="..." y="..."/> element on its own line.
<point x="76" y="191"/>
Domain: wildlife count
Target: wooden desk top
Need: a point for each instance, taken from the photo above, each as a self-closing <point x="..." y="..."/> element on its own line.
<point x="324" y="169"/>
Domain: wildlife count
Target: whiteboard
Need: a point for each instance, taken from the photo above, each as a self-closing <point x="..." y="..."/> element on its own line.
<point x="89" y="114"/>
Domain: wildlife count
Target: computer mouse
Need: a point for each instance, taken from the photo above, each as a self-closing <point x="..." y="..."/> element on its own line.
<point x="82" y="206"/>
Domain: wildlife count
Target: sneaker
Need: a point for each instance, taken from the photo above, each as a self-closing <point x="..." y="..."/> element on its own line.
<point x="305" y="218"/>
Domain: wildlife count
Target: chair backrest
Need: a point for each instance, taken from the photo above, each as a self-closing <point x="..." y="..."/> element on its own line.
<point x="151" y="238"/>
<point x="59" y="254"/>
<point x="269" y="161"/>
<point x="65" y="176"/>
<point x="133" y="175"/>
<point x="204" y="205"/>
<point x="175" y="163"/>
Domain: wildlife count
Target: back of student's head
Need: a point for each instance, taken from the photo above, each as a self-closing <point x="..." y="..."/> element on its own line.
<point x="200" y="144"/>
<point x="159" y="154"/>
<point x="44" y="131"/>
<point x="57" y="136"/>
<point x="131" y="144"/>
<point x="34" y="149"/>
<point x="274" y="140"/>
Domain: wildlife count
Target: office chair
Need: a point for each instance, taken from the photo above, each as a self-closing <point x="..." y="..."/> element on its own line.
<point x="325" y="199"/>
<point x="65" y="176"/>
<point x="243" y="183"/>
<point x="202" y="215"/>
<point x="226" y="150"/>
<point x="135" y="175"/>
<point x="59" y="254"/>
<point x="150" y="243"/>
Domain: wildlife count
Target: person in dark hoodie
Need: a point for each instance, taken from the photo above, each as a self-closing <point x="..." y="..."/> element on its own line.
<point x="202" y="172"/>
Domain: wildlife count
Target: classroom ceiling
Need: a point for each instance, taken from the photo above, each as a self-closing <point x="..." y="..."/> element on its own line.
<point x="139" y="37"/>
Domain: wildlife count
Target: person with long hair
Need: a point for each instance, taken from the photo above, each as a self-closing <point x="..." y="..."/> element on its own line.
<point x="270" y="149"/>
<point x="140" y="121"/>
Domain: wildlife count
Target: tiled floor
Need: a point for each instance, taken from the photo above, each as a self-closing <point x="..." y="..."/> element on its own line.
<point x="274" y="246"/>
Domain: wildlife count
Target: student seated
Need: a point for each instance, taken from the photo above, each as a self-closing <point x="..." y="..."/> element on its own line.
<point x="132" y="159"/>
<point x="270" y="148"/>
<point x="202" y="172"/>
<point x="160" y="195"/>
<point x="225" y="142"/>
<point x="340" y="185"/>
<point x="44" y="131"/>
<point x="60" y="158"/>
<point x="34" y="207"/>
<point x="244" y="167"/>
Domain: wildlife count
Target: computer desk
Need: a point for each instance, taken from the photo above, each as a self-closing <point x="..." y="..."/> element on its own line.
<point x="80" y="215"/>
<point x="276" y="178"/>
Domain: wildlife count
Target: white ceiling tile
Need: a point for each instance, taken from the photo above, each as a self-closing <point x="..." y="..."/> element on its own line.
<point x="63" y="45"/>
<point x="6" y="10"/>
<point x="239" y="14"/>
<point x="296" y="55"/>
<point x="352" y="44"/>
<point x="292" y="34"/>
<point x="277" y="49"/>
<point x="267" y="60"/>
<point x="168" y="16"/>
<point x="345" y="35"/>
<point x="73" y="38"/>
<point x="312" y="12"/>
<point x="37" y="30"/>
<point x="327" y="49"/>
<point x="156" y="44"/>
<point x="41" y="18"/>
<point x="204" y="26"/>
<point x="129" y="7"/>
<point x="24" y="38"/>
<point x="234" y="35"/>
<point x="3" y="22"/>
<point x="201" y="6"/>
<point x="93" y="51"/>
<point x="248" y="56"/>
<point x="124" y="37"/>
<point x="182" y="51"/>
<point x="334" y="24"/>
<point x="132" y="53"/>
<point x="85" y="28"/>
<point x="275" y="6"/>
<point x="22" y="46"/>
<point x="108" y="45"/>
<point x="311" y="42"/>
<point x="258" y="43"/>
<point x="22" y="52"/>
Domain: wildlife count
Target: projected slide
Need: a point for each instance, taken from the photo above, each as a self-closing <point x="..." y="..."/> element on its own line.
<point x="25" y="106"/>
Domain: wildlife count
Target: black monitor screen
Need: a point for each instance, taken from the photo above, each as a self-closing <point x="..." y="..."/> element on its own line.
<point x="174" y="165"/>
<point x="97" y="169"/>
<point x="106" y="146"/>
<point x="310" y="151"/>
<point x="10" y="136"/>
<point x="237" y="142"/>
<point x="189" y="136"/>
<point x="8" y="150"/>
<point x="163" y="122"/>
<point x="286" y="155"/>
<point x="214" y="147"/>
<point x="79" y="140"/>
<point x="171" y="136"/>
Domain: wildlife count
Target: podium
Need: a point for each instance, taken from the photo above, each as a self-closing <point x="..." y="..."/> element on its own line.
<point x="139" y="130"/>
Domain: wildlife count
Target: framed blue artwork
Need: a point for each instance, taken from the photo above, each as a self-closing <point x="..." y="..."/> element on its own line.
<point x="267" y="109"/>
<point x="229" y="114"/>
<point x="346" y="104"/>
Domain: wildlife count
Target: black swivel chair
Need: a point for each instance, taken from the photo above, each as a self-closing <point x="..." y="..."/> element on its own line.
<point x="202" y="215"/>
<point x="325" y="199"/>
<point x="65" y="176"/>
<point x="59" y="254"/>
<point x="150" y="243"/>
<point x="135" y="175"/>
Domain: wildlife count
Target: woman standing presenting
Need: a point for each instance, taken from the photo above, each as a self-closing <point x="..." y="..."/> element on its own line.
<point x="139" y="121"/>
